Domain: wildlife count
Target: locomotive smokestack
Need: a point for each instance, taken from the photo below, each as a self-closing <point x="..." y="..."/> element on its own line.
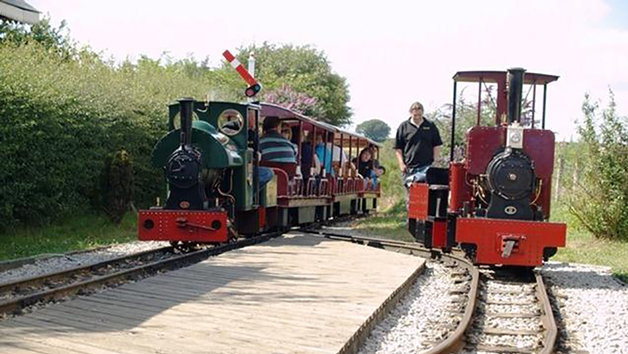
<point x="515" y="90"/>
<point x="187" y="105"/>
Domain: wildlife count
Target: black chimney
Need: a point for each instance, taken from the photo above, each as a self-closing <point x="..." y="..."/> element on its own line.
<point x="187" y="105"/>
<point x="515" y="90"/>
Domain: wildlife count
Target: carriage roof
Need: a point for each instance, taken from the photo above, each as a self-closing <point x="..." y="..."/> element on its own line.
<point x="285" y="114"/>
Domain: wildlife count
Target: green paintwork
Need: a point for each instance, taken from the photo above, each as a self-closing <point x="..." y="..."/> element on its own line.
<point x="234" y="153"/>
<point x="243" y="183"/>
<point x="216" y="154"/>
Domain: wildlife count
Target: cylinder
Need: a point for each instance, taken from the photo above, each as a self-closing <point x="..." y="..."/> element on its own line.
<point x="515" y="90"/>
<point x="187" y="105"/>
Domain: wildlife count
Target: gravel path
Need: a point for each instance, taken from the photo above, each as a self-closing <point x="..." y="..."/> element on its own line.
<point x="67" y="261"/>
<point x="593" y="305"/>
<point x="419" y="319"/>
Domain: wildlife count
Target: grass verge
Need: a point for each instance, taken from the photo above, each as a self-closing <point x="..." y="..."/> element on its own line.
<point x="70" y="234"/>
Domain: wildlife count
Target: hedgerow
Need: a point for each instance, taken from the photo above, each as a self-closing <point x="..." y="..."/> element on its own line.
<point x="61" y="117"/>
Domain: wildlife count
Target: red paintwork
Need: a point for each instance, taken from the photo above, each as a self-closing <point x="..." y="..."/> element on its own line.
<point x="282" y="181"/>
<point x="167" y="226"/>
<point x="419" y="197"/>
<point x="262" y="218"/>
<point x="539" y="145"/>
<point x="459" y="189"/>
<point x="482" y="144"/>
<point x="490" y="234"/>
<point x="439" y="234"/>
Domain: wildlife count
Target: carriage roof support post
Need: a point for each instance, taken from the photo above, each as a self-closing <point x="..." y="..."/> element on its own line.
<point x="314" y="144"/>
<point x="299" y="144"/>
<point x="477" y="122"/>
<point x="256" y="159"/>
<point x="342" y="147"/>
<point x="351" y="153"/>
<point x="453" y="125"/>
<point x="544" y="101"/>
<point x="325" y="139"/>
<point x="533" y="102"/>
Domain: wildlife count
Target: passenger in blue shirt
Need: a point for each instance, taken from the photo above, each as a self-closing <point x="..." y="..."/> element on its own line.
<point x="323" y="153"/>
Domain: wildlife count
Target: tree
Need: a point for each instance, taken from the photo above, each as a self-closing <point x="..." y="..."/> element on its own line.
<point x="51" y="38"/>
<point x="287" y="97"/>
<point x="374" y="129"/>
<point x="306" y="71"/>
<point x="599" y="199"/>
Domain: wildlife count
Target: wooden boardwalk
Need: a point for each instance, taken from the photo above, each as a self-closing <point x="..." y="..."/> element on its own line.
<point x="294" y="294"/>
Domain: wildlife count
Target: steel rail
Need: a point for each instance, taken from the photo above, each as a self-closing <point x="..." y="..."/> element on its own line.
<point x="16" y="304"/>
<point x="548" y="316"/>
<point x="38" y="280"/>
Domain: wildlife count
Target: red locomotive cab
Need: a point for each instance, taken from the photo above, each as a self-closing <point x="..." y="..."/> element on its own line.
<point x="500" y="189"/>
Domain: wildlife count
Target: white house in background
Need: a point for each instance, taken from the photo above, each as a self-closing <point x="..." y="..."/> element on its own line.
<point x="18" y="10"/>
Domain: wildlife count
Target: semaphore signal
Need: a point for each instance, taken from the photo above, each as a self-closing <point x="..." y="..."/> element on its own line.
<point x="254" y="86"/>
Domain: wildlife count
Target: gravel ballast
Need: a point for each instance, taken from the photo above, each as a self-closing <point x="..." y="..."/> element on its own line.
<point x="67" y="261"/>
<point x="593" y="305"/>
<point x="419" y="319"/>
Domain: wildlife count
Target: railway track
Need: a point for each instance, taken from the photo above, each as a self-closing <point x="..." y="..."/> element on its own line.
<point x="19" y="295"/>
<point x="513" y="315"/>
<point x="501" y="312"/>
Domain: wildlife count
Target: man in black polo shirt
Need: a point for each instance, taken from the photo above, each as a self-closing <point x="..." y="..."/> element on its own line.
<point x="417" y="145"/>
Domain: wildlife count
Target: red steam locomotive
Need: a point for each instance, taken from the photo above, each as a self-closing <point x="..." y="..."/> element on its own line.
<point x="495" y="203"/>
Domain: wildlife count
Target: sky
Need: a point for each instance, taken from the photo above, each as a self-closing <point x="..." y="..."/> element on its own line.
<point x="392" y="53"/>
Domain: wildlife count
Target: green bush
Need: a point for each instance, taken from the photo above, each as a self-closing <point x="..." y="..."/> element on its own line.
<point x="599" y="199"/>
<point x="117" y="185"/>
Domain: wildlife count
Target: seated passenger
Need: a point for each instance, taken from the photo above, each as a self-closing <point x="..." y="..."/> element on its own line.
<point x="308" y="158"/>
<point x="286" y="131"/>
<point x="265" y="175"/>
<point x="323" y="153"/>
<point x="274" y="146"/>
<point x="366" y="166"/>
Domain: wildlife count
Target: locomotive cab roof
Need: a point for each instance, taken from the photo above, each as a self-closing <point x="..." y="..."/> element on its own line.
<point x="492" y="76"/>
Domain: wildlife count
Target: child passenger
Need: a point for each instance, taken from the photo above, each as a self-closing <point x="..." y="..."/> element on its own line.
<point x="368" y="168"/>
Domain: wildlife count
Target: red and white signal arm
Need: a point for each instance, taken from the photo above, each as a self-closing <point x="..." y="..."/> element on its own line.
<point x="254" y="86"/>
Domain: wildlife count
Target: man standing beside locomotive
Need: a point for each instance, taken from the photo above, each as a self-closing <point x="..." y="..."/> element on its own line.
<point x="417" y="145"/>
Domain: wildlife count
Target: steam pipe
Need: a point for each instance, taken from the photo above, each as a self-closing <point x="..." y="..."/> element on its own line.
<point x="515" y="91"/>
